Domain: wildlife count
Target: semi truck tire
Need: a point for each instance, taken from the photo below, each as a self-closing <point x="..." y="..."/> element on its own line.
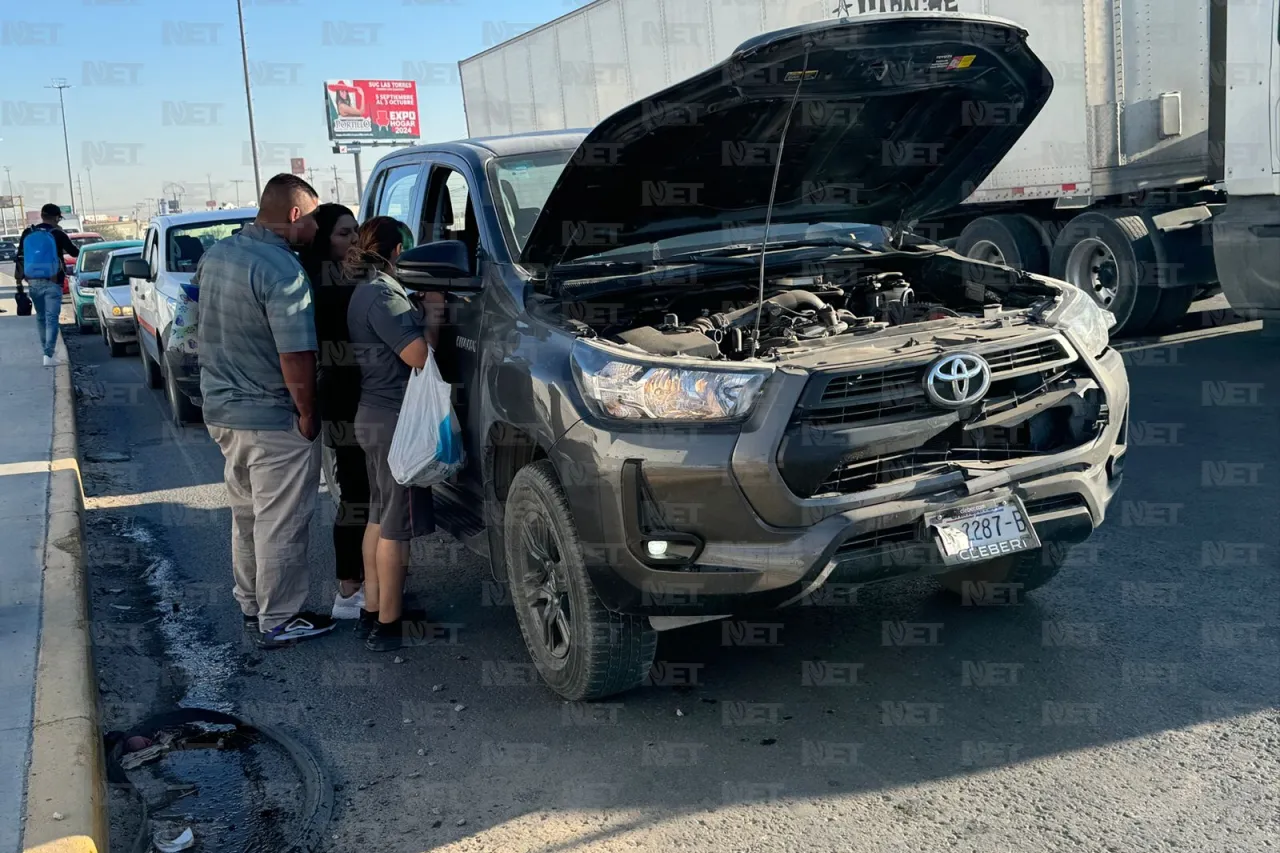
<point x="1009" y="240"/>
<point x="1115" y="257"/>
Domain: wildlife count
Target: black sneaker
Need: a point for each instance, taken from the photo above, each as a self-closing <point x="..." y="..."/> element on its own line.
<point x="409" y="630"/>
<point x="364" y="624"/>
<point x="303" y="626"/>
<point x="251" y="624"/>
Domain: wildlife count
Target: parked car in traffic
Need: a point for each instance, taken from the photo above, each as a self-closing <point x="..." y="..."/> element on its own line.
<point x="675" y="413"/>
<point x="79" y="239"/>
<point x="86" y="279"/>
<point x="113" y="302"/>
<point x="8" y="250"/>
<point x="171" y="250"/>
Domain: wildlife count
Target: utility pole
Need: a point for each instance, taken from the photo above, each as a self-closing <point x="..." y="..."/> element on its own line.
<point x="237" y="182"/>
<point x="81" y="208"/>
<point x="60" y="83"/>
<point x="209" y="176"/>
<point x="93" y="203"/>
<point x="337" y="185"/>
<point x="248" y="99"/>
<point x="2" y="211"/>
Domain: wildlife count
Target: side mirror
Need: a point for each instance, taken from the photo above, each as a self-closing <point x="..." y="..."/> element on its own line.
<point x="137" y="268"/>
<point x="442" y="265"/>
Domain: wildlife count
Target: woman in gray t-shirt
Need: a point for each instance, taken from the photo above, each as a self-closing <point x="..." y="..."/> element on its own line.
<point x="391" y="335"/>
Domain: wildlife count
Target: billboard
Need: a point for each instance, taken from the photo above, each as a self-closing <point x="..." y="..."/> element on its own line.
<point x="383" y="110"/>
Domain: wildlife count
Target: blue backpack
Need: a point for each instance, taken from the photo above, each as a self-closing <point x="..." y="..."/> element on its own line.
<point x="40" y="255"/>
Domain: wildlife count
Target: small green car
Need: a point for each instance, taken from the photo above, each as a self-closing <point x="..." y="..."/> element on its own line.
<point x="88" y="277"/>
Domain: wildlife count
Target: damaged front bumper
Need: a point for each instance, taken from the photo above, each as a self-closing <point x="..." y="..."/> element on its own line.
<point x="749" y="515"/>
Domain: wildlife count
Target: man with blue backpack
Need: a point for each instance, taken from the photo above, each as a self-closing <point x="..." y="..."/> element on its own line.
<point x="39" y="262"/>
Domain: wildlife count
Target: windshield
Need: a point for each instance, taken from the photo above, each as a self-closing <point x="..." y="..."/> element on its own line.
<point x="80" y="242"/>
<point x="91" y="260"/>
<point x="522" y="185"/>
<point x="115" y="273"/>
<point x="874" y="236"/>
<point x="187" y="243"/>
<point x="4" y="244"/>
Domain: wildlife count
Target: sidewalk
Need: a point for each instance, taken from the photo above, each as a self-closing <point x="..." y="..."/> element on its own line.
<point x="50" y="754"/>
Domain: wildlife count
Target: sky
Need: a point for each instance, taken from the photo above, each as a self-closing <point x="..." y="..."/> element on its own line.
<point x="157" y="88"/>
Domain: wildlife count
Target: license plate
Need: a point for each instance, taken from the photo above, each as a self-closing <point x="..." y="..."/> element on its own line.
<point x="982" y="531"/>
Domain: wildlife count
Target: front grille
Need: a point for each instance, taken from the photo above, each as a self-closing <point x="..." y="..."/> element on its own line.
<point x="1049" y="432"/>
<point x="898" y="535"/>
<point x="897" y="393"/>
<point x="1058" y="503"/>
<point x="89" y="312"/>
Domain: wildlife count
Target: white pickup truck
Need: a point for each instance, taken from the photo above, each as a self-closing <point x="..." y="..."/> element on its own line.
<point x="171" y="249"/>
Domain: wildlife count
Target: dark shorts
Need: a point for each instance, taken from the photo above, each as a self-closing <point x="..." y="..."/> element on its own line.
<point x="389" y="502"/>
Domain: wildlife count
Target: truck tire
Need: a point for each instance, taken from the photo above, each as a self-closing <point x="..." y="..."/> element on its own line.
<point x="1115" y="257"/>
<point x="1189" y="258"/>
<point x="181" y="410"/>
<point x="150" y="370"/>
<point x="1009" y="240"/>
<point x="581" y="649"/>
<point x="1029" y="571"/>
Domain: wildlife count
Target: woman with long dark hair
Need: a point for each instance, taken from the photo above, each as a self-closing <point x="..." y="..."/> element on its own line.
<point x="391" y="335"/>
<point x="331" y="261"/>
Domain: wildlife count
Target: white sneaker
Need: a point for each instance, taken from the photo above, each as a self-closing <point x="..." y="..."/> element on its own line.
<point x="49" y="362"/>
<point x="348" y="607"/>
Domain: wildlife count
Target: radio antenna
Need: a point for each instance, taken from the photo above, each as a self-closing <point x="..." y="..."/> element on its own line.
<point x="773" y="189"/>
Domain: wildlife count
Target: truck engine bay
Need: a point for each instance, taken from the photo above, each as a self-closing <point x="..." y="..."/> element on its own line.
<point x="725" y="321"/>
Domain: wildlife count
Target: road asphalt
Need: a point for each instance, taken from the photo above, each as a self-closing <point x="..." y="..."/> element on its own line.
<point x="1130" y="706"/>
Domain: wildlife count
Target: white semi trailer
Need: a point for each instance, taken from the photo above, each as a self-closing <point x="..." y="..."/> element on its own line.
<point x="1152" y="175"/>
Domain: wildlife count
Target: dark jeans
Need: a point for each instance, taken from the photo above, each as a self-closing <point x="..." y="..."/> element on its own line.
<point x="353" y="511"/>
<point x="338" y="393"/>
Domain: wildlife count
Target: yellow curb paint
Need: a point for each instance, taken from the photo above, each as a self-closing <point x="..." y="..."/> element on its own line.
<point x="69" y="844"/>
<point x="38" y="467"/>
<point x="67" y="774"/>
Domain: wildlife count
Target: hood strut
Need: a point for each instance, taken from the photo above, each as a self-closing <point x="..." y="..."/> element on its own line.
<point x="773" y="191"/>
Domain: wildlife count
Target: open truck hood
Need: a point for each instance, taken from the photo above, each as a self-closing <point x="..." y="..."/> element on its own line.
<point x="895" y="118"/>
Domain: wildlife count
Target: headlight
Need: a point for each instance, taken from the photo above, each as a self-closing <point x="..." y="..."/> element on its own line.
<point x="634" y="389"/>
<point x="1086" y="323"/>
<point x="118" y="311"/>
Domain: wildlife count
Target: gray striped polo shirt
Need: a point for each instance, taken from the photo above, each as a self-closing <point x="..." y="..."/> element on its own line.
<point x="255" y="303"/>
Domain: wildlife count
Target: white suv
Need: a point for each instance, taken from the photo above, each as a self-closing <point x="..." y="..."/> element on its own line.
<point x="171" y="250"/>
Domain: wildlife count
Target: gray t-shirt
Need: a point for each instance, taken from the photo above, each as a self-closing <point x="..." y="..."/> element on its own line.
<point x="254" y="304"/>
<point x="382" y="322"/>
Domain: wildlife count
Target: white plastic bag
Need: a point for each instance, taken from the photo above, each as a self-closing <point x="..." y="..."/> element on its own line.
<point x="427" y="446"/>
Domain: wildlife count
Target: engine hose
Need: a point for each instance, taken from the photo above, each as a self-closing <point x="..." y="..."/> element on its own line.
<point x="317" y="804"/>
<point x="790" y="300"/>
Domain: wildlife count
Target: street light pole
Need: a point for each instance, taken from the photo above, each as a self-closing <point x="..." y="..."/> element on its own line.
<point x="60" y="83"/>
<point x="248" y="99"/>
<point x="2" y="210"/>
<point x="80" y="185"/>
<point x="93" y="203"/>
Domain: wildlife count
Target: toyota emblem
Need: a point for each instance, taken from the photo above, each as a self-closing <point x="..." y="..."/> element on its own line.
<point x="957" y="380"/>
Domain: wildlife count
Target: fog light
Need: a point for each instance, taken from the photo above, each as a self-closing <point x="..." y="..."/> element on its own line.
<point x="656" y="547"/>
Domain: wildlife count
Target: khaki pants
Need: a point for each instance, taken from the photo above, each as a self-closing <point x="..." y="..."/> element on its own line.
<point x="272" y="479"/>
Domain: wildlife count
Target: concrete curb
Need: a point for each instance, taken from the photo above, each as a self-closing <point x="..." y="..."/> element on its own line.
<point x="67" y="775"/>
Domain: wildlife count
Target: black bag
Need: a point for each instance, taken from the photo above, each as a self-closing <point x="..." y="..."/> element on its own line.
<point x="24" y="303"/>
